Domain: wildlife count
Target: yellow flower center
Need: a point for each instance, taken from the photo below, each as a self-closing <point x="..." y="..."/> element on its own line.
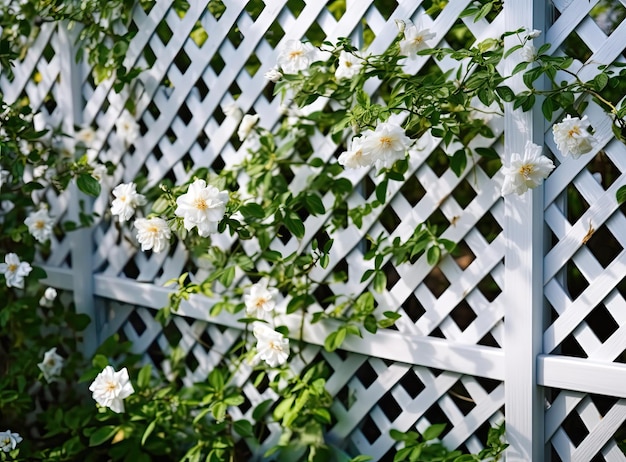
<point x="200" y="204"/>
<point x="295" y="54"/>
<point x="40" y="224"/>
<point x="260" y="302"/>
<point x="152" y="229"/>
<point x="418" y="39"/>
<point x="111" y="386"/>
<point x="275" y="346"/>
<point x="385" y="142"/>
<point x="6" y="441"/>
<point x="347" y="64"/>
<point x="123" y="198"/>
<point x="12" y="268"/>
<point x="526" y="170"/>
<point x="574" y="131"/>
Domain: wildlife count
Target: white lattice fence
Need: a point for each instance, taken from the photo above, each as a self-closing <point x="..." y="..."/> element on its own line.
<point x="448" y="358"/>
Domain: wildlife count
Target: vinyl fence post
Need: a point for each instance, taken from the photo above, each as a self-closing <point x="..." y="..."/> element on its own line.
<point x="81" y="239"/>
<point x="524" y="225"/>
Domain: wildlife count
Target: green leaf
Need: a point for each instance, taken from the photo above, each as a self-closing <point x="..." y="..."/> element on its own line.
<point x="547" y="107"/>
<point x="335" y="339"/>
<point x="621" y="195"/>
<point x="505" y="93"/>
<point x="244" y="428"/>
<point x="216" y="379"/>
<point x="487" y="153"/>
<point x="88" y="184"/>
<point x="148" y="431"/>
<point x="433" y="431"/>
<point x="380" y="281"/>
<point x="433" y="254"/>
<point x="314" y="204"/>
<point x="484" y="11"/>
<point x="458" y="162"/>
<point x="100" y="361"/>
<point x="600" y="81"/>
<point x="143" y="378"/>
<point x="102" y="435"/>
<point x="294" y="225"/>
<point x="252" y="210"/>
<point x="381" y="191"/>
<point x="370" y="324"/>
<point x="262" y="409"/>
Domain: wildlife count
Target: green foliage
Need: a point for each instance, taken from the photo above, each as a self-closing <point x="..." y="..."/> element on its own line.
<point x="165" y="419"/>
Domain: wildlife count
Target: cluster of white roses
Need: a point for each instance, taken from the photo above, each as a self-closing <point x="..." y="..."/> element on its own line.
<point x="381" y="147"/>
<point x="202" y="207"/>
<point x="572" y="138"/>
<point x="272" y="346"/>
<point x="14" y="270"/>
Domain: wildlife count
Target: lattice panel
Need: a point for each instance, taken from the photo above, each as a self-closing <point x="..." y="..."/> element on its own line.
<point x="585" y="267"/>
<point x="41" y="81"/>
<point x="371" y="395"/>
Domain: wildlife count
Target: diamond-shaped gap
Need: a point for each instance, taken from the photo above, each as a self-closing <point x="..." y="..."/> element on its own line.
<point x="366" y="375"/>
<point x="149" y="56"/>
<point x="461" y="397"/>
<point x="203" y="90"/>
<point x="242" y="449"/>
<point x="341" y="271"/>
<point x="170" y="136"/>
<point x="205" y="340"/>
<point x="386" y="7"/>
<point x="216" y="8"/>
<point x="203" y="140"/>
<point x="49" y="104"/>
<point x="434" y="7"/>
<point x="602" y="323"/>
<point x="438" y="219"/>
<point x="412" y="190"/>
<point x="155" y="353"/>
<point x="164" y="32"/>
<point x="252" y="65"/>
<point x="234" y="90"/>
<point x="365" y="187"/>
<point x="235" y="36"/>
<point x="603" y="169"/>
<point x="389" y="219"/>
<point x="295" y="7"/>
<point x="154" y="111"/>
<point x="412" y="384"/>
<point x="603" y="403"/>
<point x="369" y="429"/>
<point x="464" y="193"/>
<point x="489" y="288"/>
<point x="198" y="34"/>
<point x="570" y="347"/>
<point x="172" y="334"/>
<point x="576" y="204"/>
<point x="324" y="296"/>
<point x="488" y="340"/>
<point x="315" y="34"/>
<point x="218" y="164"/>
<point x="274" y="33"/>
<point x="48" y="52"/>
<point x="367" y="33"/>
<point x="488" y="226"/>
<point x="463" y="255"/>
<point x="131" y="270"/>
<point x="139" y="326"/>
<point x="574" y="428"/>
<point x="254" y="8"/>
<point x="389" y="406"/>
<point x="413" y="308"/>
<point x="217" y="64"/>
<point x="304" y="148"/>
<point x="435" y="415"/>
<point x="345" y="396"/>
<point x="218" y="115"/>
<point x="608" y="15"/>
<point x="260" y="381"/>
<point x="575" y="47"/>
<point x="576" y="282"/>
<point x="438" y="161"/>
<point x="191" y="361"/>
<point x="392" y="275"/>
<point x="182" y="61"/>
<point x="604" y="246"/>
<point x="463" y="315"/>
<point x="437" y="333"/>
<point x="490" y="166"/>
<point x="184" y="114"/>
<point x="459" y="36"/>
<point x="284" y="235"/>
